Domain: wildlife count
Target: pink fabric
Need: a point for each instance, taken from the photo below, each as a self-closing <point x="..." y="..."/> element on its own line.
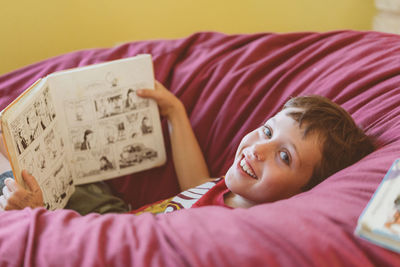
<point x="229" y="85"/>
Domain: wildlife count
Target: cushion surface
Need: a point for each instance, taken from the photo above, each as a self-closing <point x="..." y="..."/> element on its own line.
<point x="230" y="84"/>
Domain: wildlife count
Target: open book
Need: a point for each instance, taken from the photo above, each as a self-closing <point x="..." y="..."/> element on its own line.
<point x="84" y="125"/>
<point x="380" y="220"/>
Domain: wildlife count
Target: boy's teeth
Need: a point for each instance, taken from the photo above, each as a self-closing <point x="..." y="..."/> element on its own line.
<point x="247" y="169"/>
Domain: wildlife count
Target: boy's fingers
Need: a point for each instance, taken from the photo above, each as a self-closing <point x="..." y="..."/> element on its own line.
<point x="11" y="184"/>
<point x="14" y="203"/>
<point x="6" y="192"/>
<point x="11" y="206"/>
<point x="144" y="92"/>
<point x="3" y="202"/>
<point x="148" y="93"/>
<point x="30" y="181"/>
<point x="158" y="85"/>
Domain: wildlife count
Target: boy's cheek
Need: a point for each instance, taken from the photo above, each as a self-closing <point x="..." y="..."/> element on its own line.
<point x="249" y="139"/>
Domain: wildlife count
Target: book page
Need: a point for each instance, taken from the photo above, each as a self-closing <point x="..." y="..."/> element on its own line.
<point x="38" y="146"/>
<point x="110" y="130"/>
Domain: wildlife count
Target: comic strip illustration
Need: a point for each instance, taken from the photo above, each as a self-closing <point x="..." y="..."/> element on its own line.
<point x="94" y="162"/>
<point x="39" y="146"/>
<point x="60" y="183"/>
<point x="146" y="125"/>
<point x="120" y="102"/>
<point x="45" y="161"/>
<point x="134" y="154"/>
<point x="133" y="102"/>
<point x="54" y="144"/>
<point x="111" y="132"/>
<point x="83" y="138"/>
<point x="131" y="126"/>
<point x="109" y="106"/>
<point x="79" y="111"/>
<point x="49" y="111"/>
<point x="40" y="161"/>
<point x="28" y="163"/>
<point x="27" y="127"/>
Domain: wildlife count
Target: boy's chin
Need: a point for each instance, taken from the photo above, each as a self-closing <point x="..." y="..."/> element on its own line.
<point x="228" y="173"/>
<point x="229" y="179"/>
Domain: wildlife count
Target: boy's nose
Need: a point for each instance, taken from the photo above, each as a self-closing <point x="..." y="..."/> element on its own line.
<point x="261" y="150"/>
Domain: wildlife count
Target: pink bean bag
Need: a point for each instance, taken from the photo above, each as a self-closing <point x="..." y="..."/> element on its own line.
<point x="229" y="85"/>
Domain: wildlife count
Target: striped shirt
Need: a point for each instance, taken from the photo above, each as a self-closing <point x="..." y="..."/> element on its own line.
<point x="215" y="189"/>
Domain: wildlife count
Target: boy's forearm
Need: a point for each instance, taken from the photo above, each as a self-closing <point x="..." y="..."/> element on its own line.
<point x="189" y="162"/>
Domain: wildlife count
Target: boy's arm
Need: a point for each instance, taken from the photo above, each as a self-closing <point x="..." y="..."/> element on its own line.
<point x="189" y="162"/>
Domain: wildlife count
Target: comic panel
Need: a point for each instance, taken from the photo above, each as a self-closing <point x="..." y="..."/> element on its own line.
<point x="28" y="164"/>
<point x="60" y="181"/>
<point x="122" y="101"/>
<point x="134" y="154"/>
<point x="49" y="110"/>
<point x="108" y="106"/>
<point x="32" y="122"/>
<point x="94" y="162"/>
<point x="112" y="131"/>
<point x="132" y="125"/>
<point x="26" y="129"/>
<point x="40" y="159"/>
<point x="44" y="113"/>
<point x="146" y="124"/>
<point x="138" y="124"/>
<point x="21" y="134"/>
<point x="53" y="145"/>
<point x="83" y="138"/>
<point x="49" y="198"/>
<point x="78" y="111"/>
<point x="63" y="179"/>
<point x="132" y="101"/>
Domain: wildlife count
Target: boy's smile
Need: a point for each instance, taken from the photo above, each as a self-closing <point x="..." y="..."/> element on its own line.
<point x="247" y="168"/>
<point x="272" y="162"/>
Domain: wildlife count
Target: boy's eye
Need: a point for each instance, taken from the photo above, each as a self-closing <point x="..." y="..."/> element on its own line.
<point x="285" y="157"/>
<point x="267" y="131"/>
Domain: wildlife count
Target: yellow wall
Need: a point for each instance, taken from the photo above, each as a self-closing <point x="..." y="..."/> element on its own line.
<point x="34" y="30"/>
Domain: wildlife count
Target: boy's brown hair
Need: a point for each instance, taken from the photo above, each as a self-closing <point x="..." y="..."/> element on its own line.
<point x="343" y="142"/>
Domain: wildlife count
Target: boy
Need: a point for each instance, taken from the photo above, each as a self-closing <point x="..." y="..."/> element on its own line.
<point x="307" y="141"/>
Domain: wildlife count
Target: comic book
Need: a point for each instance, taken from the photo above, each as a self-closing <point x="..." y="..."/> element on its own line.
<point x="380" y="221"/>
<point x="84" y="125"/>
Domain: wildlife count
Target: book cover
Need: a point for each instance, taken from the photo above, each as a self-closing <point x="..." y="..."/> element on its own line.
<point x="380" y="221"/>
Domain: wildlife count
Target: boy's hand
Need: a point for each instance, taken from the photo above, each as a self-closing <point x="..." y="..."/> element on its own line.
<point x="168" y="103"/>
<point x="15" y="197"/>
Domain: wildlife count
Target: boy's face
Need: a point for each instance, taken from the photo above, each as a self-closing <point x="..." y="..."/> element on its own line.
<point x="274" y="161"/>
